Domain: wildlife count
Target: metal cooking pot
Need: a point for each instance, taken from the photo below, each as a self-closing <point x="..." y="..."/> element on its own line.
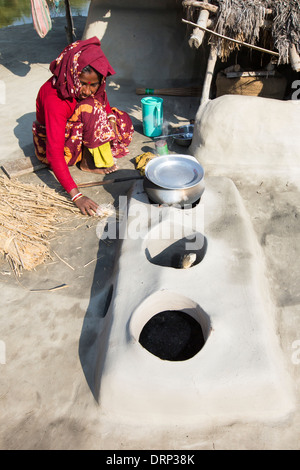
<point x="185" y="135"/>
<point x="174" y="179"/>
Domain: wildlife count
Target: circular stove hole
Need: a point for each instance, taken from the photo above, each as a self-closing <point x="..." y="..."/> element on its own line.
<point x="175" y="254"/>
<point x="172" y="335"/>
<point x="182" y="206"/>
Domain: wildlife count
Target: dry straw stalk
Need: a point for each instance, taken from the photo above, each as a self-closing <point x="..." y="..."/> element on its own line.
<point x="29" y="214"/>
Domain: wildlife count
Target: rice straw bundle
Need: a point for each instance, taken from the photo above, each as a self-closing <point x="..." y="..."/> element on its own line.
<point x="28" y="215"/>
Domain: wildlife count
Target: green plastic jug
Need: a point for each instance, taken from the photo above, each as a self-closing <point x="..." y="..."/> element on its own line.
<point x="152" y="111"/>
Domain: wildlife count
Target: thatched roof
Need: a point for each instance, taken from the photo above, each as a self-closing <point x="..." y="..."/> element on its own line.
<point x="273" y="24"/>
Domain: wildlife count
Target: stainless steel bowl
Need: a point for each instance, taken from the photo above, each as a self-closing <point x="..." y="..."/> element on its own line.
<point x="174" y="180"/>
<point x="185" y="135"/>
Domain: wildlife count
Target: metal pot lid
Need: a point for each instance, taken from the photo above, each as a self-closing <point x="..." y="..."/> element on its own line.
<point x="174" y="171"/>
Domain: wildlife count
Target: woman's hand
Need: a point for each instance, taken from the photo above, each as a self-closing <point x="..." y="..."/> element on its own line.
<point x="86" y="205"/>
<point x="113" y="124"/>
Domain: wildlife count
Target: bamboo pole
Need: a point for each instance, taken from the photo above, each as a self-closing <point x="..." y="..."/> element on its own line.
<point x="204" y="5"/>
<point x="212" y="59"/>
<point x="102" y="183"/>
<point x="198" y="33"/>
<point x="294" y="58"/>
<point x="210" y="7"/>
<point x="236" y="41"/>
<point x="70" y="25"/>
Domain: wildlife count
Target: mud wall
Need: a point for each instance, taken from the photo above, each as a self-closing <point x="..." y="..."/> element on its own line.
<point x="146" y="42"/>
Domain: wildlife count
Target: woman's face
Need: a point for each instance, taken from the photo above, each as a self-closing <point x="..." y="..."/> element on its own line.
<point x="89" y="84"/>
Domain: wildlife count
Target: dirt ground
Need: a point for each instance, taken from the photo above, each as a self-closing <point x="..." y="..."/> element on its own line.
<point x="45" y="397"/>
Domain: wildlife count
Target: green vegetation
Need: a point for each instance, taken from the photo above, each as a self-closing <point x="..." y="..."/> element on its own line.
<point x="12" y="11"/>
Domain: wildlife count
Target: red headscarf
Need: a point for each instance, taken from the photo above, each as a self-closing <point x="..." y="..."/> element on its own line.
<point x="68" y="65"/>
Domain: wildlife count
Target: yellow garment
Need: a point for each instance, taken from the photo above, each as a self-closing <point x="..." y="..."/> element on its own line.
<point x="142" y="160"/>
<point x="102" y="156"/>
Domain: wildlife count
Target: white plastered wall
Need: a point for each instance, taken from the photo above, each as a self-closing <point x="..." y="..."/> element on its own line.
<point x="235" y="131"/>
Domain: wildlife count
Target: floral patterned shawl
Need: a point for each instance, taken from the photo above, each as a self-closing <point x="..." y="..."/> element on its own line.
<point x="68" y="65"/>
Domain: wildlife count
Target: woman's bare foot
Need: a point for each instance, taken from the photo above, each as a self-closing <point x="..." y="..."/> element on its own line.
<point x="99" y="171"/>
<point x="87" y="164"/>
<point x="111" y="169"/>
